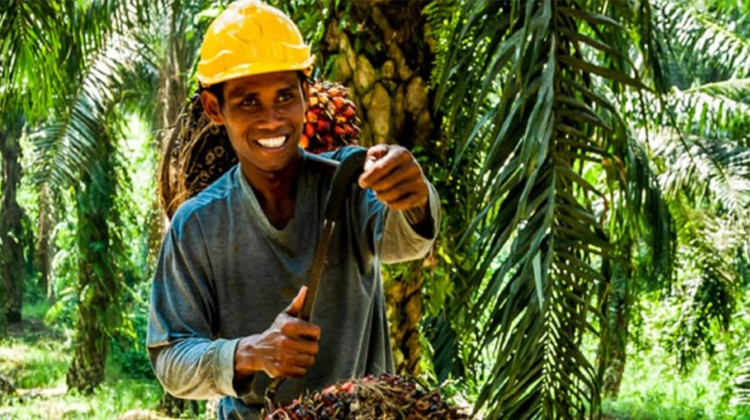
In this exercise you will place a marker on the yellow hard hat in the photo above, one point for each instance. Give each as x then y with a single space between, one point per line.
248 38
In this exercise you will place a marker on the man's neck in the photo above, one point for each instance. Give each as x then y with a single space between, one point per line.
275 191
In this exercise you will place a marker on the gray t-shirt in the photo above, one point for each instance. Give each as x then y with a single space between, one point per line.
225 272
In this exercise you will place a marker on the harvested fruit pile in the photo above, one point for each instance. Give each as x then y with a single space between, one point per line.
371 398
331 119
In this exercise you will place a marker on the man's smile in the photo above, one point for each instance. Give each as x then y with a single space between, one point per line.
272 142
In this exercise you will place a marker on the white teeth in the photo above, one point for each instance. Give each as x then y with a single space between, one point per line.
272 143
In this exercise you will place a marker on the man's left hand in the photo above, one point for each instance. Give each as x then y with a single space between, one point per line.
395 176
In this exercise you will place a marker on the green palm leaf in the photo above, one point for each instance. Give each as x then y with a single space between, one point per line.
709 168
710 293
67 143
47 44
702 42
28 39
535 233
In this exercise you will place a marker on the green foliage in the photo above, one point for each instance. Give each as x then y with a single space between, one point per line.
35 309
699 149
310 17
128 350
654 389
42 49
110 401
702 45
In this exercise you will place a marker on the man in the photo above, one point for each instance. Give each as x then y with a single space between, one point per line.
230 278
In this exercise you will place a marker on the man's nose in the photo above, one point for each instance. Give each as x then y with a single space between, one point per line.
270 119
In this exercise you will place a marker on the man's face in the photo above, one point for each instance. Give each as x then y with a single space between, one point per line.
263 115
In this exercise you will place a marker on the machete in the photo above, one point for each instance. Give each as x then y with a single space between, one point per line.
346 171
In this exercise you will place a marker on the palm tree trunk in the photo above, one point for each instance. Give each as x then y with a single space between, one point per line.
384 58
614 337
98 286
404 311
44 250
12 261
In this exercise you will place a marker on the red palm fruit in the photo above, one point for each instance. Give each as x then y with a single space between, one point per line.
339 130
348 112
311 117
309 130
339 102
304 141
323 127
334 91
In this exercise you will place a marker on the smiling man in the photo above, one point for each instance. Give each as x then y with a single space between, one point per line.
231 274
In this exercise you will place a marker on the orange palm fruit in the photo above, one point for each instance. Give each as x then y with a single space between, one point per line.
348 112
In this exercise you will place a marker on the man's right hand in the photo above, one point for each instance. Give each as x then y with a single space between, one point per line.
286 349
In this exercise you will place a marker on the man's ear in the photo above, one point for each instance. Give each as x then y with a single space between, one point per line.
211 107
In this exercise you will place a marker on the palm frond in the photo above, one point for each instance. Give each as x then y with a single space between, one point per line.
66 143
709 295
734 89
710 171
701 42
709 114
28 37
648 214
527 111
46 43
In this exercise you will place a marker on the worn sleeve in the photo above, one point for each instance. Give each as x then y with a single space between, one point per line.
389 234
185 357
399 241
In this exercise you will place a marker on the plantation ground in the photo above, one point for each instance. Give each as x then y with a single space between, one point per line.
35 359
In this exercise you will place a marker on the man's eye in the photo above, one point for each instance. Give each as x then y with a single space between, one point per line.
249 102
285 97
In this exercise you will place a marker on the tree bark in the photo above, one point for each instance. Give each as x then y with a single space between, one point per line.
614 338
44 250
12 261
383 55
98 286
404 311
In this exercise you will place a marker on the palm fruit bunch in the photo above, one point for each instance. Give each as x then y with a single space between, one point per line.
383 397
331 120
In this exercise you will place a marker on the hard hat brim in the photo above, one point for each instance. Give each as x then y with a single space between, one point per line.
252 69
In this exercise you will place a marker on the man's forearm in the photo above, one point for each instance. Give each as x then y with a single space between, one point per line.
196 368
